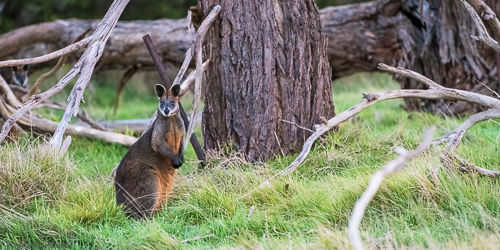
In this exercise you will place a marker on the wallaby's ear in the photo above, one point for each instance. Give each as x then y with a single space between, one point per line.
160 90
26 67
176 89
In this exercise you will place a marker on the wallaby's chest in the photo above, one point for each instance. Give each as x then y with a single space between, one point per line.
174 137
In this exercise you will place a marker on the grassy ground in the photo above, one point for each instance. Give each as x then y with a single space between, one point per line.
70 202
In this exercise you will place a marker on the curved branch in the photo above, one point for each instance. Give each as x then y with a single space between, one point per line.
391 167
474 7
435 91
53 55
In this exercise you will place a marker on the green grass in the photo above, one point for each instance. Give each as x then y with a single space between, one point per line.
308 209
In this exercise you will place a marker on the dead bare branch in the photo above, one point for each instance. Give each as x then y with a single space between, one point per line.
125 78
45 125
84 68
198 75
53 55
483 34
88 62
391 167
46 75
297 125
435 91
191 78
454 138
448 93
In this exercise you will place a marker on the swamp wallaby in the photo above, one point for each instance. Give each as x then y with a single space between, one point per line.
145 175
19 75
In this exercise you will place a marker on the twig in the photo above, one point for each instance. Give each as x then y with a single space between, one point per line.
451 159
250 211
12 211
297 125
486 86
391 167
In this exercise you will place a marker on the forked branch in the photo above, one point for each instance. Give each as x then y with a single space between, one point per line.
84 68
477 6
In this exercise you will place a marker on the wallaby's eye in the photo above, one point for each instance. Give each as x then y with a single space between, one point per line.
14 68
25 67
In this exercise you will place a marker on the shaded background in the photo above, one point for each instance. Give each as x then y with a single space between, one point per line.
17 13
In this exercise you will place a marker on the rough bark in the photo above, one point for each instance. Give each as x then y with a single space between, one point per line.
268 62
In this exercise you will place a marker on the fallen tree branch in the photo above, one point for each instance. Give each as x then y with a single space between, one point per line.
483 34
435 91
454 137
391 167
35 122
83 68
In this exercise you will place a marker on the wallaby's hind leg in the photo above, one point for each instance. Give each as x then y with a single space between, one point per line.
138 192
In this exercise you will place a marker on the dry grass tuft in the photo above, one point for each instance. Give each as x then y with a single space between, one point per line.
31 172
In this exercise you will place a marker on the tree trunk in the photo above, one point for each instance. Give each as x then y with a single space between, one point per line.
269 62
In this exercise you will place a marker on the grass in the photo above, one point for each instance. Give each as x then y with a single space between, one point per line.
308 209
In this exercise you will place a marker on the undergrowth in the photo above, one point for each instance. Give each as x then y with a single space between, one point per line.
71 200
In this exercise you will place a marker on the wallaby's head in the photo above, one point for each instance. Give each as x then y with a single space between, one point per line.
169 100
20 75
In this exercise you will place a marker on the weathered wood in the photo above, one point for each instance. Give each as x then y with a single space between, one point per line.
86 66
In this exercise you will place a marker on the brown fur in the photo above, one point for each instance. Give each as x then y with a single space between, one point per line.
146 174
